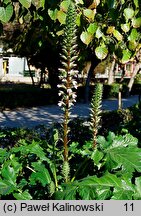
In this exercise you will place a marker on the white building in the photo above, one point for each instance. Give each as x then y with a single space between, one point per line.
14 69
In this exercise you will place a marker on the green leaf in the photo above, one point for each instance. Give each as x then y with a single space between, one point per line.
99 33
6 187
126 56
97 156
87 192
136 3
41 174
3 154
132 45
129 158
64 5
117 35
79 2
134 35
9 174
137 194
53 14
90 14
35 148
38 4
78 19
101 52
121 194
108 180
92 28
128 13
136 22
61 16
103 193
23 195
6 13
86 37
125 27
69 193
26 3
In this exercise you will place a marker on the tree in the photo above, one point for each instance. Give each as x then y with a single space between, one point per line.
105 27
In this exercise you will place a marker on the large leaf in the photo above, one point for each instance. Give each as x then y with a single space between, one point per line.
69 193
26 3
108 180
6 13
87 192
101 52
103 193
129 158
120 194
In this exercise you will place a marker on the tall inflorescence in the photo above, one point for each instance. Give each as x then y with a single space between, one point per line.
96 104
68 73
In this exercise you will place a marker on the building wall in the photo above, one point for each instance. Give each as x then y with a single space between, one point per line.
17 66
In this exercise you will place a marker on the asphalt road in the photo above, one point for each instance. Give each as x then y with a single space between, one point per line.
47 115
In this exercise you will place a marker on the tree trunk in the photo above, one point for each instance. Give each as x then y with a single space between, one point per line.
111 73
136 70
32 79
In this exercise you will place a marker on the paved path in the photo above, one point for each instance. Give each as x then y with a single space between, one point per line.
46 115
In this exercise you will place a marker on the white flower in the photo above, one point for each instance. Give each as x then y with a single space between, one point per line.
61 103
60 93
69 91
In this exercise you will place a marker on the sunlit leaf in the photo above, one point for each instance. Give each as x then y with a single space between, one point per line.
90 14
53 14
110 29
136 2
117 35
26 3
23 195
134 35
136 22
86 37
92 28
101 52
132 45
125 27
6 13
129 13
99 33
79 1
64 5
137 188
61 16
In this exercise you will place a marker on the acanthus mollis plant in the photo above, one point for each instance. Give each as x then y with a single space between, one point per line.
96 104
67 76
